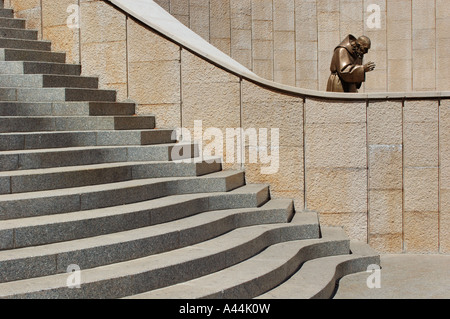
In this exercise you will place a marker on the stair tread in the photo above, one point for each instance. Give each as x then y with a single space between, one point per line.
110 186
163 262
129 208
91 167
81 148
248 275
317 274
121 237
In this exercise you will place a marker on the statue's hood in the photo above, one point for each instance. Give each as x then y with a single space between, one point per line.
347 44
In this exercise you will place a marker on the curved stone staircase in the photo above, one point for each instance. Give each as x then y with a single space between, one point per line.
84 182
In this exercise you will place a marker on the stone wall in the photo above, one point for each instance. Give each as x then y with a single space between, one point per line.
377 166
291 41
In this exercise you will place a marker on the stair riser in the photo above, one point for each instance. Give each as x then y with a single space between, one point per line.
343 269
18 34
10 162
21 67
23 44
80 139
30 55
12 23
55 95
66 109
48 124
159 277
47 81
85 199
58 232
77 178
6 13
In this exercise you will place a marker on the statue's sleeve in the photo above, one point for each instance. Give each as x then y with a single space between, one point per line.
349 72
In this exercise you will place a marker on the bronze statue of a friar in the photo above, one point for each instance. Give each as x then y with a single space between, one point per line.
347 69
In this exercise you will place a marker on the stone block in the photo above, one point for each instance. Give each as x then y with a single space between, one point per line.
65 40
444 221
262 10
285 173
201 101
262 30
421 189
155 82
334 112
167 115
421 143
421 232
421 111
385 123
421 17
387 243
180 7
385 211
197 70
354 224
144 45
56 13
98 15
263 50
385 167
111 68
336 145
336 190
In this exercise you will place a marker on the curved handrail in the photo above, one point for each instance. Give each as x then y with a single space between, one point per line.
154 16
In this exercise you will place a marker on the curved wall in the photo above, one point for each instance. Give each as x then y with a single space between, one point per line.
291 41
375 164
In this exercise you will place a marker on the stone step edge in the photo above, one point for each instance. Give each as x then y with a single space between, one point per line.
48 158
13 206
156 271
257 274
96 222
42 179
51 259
319 278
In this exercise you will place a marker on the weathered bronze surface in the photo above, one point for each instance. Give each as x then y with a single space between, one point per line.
347 69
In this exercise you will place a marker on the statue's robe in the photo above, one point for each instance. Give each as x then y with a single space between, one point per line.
347 71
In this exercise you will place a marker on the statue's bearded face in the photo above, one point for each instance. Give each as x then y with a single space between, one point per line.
360 49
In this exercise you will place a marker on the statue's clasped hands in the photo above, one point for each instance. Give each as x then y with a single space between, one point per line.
369 67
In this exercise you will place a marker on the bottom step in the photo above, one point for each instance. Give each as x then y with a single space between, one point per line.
317 278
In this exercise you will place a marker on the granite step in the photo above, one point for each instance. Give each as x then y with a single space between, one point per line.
59 201
35 180
195 216
31 55
41 140
47 158
12 33
74 123
48 81
256 275
318 278
36 67
66 108
6 13
56 95
25 44
138 275
12 23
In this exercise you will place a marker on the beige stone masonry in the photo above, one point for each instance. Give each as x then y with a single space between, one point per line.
374 163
